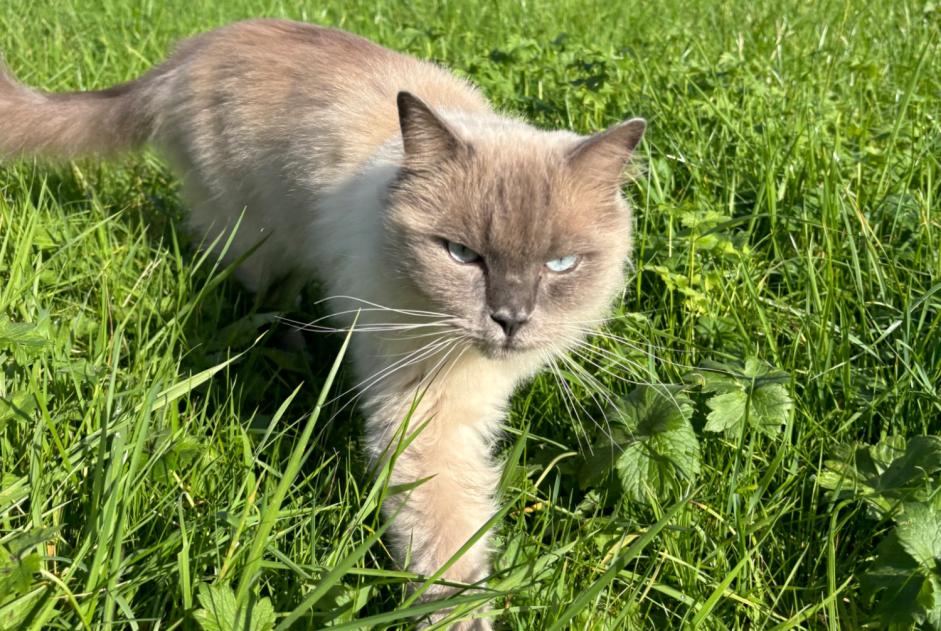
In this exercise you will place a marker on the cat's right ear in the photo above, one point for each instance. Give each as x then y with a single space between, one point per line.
427 138
604 156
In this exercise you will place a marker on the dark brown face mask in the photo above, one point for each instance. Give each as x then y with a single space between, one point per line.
511 296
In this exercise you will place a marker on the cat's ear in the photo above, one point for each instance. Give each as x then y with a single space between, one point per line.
427 138
604 156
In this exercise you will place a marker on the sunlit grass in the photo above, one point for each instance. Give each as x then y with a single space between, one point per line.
151 427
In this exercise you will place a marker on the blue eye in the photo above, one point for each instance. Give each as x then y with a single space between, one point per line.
563 264
461 253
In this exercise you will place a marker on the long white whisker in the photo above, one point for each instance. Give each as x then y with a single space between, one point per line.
582 348
448 346
415 356
361 389
433 373
381 327
658 386
571 401
590 384
419 336
636 345
621 360
588 380
384 307
377 310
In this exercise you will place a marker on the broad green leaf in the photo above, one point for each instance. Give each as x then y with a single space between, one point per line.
220 612
20 334
18 405
662 450
770 409
855 479
887 451
713 377
23 541
903 584
930 600
919 532
893 584
596 466
728 412
752 394
12 490
16 572
14 611
908 473
261 615
885 474
17 564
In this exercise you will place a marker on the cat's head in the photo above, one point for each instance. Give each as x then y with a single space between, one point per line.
520 235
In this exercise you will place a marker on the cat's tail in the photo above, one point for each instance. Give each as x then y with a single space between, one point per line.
70 124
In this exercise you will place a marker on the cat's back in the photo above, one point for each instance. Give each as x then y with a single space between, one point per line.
268 82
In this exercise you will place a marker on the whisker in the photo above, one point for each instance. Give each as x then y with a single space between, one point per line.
660 387
597 392
433 373
635 344
383 307
337 314
592 381
550 359
449 345
581 349
610 337
415 356
604 320
591 384
416 337
380 327
571 401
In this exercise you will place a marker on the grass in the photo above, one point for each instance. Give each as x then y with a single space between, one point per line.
159 459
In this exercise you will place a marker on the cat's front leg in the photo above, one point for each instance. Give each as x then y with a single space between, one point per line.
436 519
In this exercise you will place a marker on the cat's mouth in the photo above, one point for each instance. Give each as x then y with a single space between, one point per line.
505 348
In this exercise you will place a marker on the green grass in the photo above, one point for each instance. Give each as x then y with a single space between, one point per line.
155 440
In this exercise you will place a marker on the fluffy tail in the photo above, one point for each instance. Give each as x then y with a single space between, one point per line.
74 123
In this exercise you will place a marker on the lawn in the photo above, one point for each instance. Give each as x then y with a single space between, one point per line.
753 442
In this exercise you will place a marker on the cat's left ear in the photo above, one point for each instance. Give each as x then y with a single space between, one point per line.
426 137
604 156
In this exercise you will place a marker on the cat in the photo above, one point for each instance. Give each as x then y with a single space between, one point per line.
471 246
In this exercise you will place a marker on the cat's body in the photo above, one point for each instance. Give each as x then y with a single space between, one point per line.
392 183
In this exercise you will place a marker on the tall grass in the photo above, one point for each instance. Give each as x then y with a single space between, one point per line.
163 461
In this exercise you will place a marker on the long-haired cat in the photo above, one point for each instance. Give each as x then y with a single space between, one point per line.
471 245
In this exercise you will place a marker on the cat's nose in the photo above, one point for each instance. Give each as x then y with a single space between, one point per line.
509 321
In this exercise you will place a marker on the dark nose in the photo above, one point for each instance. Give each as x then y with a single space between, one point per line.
509 321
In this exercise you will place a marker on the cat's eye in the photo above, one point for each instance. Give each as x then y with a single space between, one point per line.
562 264
461 253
